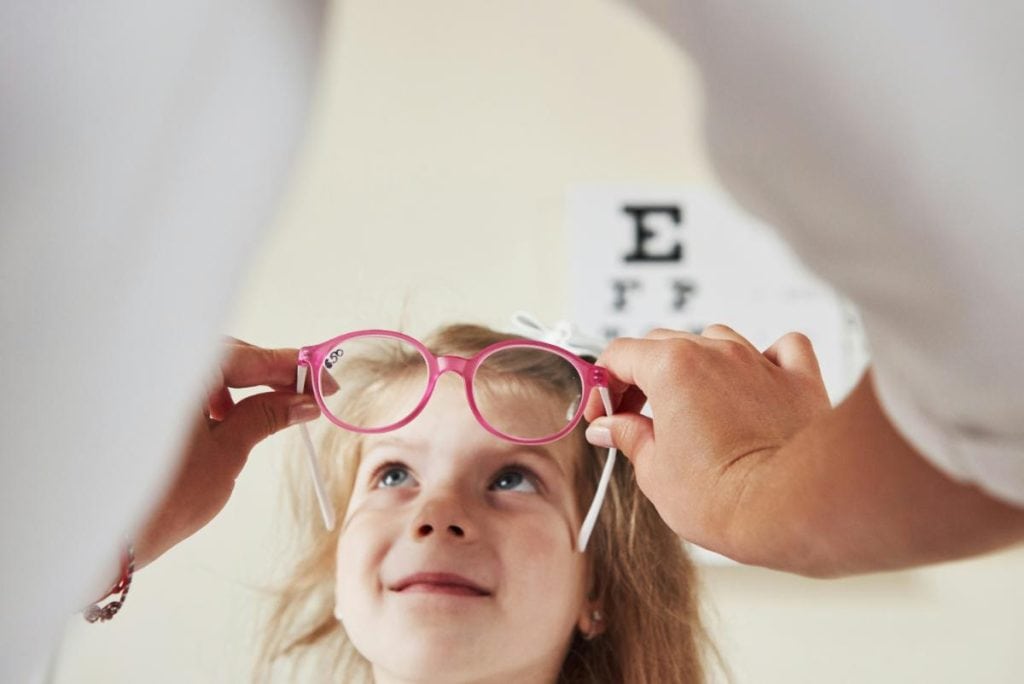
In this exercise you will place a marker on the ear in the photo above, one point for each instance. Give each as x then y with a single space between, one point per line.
592 622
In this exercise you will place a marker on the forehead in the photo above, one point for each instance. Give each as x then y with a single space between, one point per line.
447 424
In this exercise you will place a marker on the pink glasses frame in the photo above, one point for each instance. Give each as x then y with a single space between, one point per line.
591 377
311 358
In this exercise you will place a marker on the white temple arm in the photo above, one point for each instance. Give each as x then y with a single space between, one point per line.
602 486
326 510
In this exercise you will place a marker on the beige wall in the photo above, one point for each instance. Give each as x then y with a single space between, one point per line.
430 190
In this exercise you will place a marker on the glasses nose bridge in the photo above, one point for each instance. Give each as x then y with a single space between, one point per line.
454 364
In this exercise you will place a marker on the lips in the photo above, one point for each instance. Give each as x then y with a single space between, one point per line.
439 583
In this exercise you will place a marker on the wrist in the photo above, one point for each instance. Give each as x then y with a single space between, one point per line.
773 524
96 612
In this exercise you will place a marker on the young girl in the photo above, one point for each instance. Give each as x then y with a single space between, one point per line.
455 554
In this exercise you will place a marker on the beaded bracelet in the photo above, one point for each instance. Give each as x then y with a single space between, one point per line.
98 613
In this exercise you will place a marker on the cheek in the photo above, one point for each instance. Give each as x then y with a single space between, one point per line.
550 574
344 575
356 576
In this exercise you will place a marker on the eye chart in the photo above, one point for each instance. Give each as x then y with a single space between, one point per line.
684 258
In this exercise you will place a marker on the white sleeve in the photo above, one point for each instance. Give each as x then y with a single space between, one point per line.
884 141
143 147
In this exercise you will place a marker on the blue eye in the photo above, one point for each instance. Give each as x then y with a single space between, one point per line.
514 481
394 476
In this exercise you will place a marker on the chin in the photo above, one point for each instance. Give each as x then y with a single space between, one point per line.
447 661
456 651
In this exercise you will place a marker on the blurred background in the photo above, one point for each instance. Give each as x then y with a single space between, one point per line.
432 187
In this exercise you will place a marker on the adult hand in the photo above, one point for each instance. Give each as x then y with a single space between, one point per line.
220 441
722 410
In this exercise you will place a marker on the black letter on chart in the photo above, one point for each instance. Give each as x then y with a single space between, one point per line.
621 287
681 291
643 232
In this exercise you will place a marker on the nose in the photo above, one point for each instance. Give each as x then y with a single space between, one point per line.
443 517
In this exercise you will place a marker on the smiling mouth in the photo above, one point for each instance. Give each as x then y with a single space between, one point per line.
439 583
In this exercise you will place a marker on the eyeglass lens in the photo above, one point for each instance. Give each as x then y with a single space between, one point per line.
526 392
380 380
522 392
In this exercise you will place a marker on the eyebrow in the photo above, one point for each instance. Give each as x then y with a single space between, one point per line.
372 443
541 451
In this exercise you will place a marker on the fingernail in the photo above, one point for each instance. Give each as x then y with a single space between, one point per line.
599 435
302 411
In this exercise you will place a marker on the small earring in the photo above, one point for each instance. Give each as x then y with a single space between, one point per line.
595 617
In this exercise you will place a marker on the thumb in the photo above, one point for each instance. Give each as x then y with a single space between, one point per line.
257 417
631 433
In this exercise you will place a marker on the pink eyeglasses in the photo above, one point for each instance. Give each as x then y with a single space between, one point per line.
373 381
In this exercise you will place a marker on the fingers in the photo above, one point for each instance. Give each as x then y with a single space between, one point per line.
631 433
257 417
638 367
228 339
724 332
328 385
594 406
639 363
630 360
794 352
631 363
247 366
622 357
669 334
219 403
628 399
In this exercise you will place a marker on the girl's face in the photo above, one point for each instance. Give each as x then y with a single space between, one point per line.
456 559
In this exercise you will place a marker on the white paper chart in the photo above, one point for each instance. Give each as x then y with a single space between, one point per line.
684 258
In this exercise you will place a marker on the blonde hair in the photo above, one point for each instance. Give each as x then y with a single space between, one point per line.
641 576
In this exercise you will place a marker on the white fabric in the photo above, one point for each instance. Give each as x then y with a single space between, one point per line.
564 334
885 141
142 148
